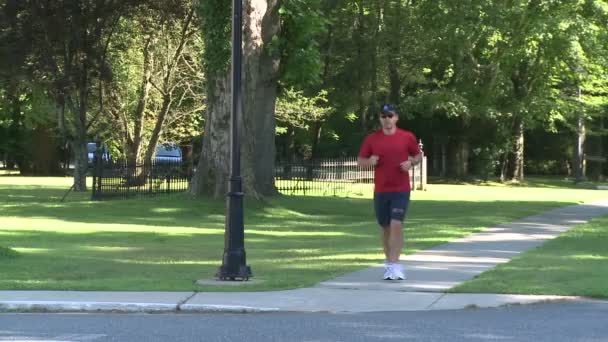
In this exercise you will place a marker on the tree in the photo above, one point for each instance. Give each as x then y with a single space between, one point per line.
67 53
260 74
157 78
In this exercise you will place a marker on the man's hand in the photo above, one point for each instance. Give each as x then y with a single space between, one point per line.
406 165
365 162
373 160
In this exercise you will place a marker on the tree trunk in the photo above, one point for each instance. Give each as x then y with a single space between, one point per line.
134 141
518 150
372 109
504 166
158 126
462 159
167 87
213 171
359 43
260 76
15 152
580 144
444 160
79 146
316 139
80 139
394 54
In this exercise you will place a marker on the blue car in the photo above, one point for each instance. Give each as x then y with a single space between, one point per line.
168 153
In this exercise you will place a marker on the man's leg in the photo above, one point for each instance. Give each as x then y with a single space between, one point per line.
385 237
399 205
383 217
395 241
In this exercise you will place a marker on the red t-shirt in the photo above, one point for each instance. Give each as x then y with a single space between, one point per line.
391 150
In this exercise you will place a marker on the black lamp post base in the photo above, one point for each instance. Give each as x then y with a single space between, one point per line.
242 273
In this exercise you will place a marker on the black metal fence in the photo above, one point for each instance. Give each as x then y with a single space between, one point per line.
335 177
119 179
321 177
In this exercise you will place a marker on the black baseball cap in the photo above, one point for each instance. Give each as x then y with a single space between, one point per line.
388 108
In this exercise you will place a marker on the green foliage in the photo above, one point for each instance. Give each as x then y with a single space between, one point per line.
459 71
216 27
297 110
302 24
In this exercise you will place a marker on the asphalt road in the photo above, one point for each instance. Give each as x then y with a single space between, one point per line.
583 321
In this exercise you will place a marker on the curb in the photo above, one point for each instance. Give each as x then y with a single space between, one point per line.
201 308
489 301
60 306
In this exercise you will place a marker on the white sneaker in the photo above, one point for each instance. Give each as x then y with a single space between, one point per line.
388 274
397 272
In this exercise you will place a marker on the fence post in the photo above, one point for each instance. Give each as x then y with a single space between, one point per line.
94 187
422 166
413 178
149 169
97 172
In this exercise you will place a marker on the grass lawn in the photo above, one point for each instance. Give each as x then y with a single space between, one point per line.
166 243
575 263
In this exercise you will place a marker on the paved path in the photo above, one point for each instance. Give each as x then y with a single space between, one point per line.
430 273
445 266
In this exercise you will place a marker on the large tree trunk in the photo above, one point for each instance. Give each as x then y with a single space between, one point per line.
213 171
260 76
521 80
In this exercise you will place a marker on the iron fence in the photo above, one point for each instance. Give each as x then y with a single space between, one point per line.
336 177
319 177
119 179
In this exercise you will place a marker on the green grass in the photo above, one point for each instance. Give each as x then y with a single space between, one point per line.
575 263
534 181
7 253
166 243
4 172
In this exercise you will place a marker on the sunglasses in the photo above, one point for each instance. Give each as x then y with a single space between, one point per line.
384 116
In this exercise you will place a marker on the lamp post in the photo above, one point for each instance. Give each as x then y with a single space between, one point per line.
234 265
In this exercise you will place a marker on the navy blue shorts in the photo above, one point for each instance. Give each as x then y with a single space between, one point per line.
391 206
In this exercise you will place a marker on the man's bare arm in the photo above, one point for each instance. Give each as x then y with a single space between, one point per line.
371 161
415 160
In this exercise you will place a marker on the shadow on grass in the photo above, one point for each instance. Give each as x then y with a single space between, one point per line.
165 243
281 213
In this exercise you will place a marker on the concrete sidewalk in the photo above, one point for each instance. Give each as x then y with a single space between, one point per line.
430 273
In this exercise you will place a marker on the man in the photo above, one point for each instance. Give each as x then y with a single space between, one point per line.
392 152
